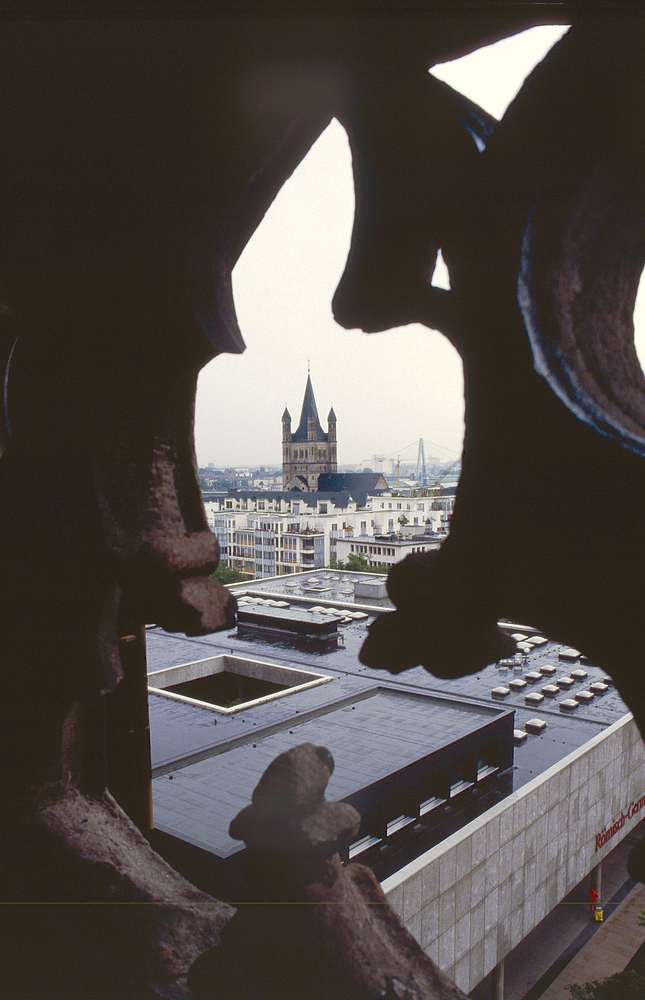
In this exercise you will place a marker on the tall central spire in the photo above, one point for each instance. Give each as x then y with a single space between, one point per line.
309 413
309 452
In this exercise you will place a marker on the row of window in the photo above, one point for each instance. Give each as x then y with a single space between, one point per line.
434 505
373 550
305 454
287 540
413 808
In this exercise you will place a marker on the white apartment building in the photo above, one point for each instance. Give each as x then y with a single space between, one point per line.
268 534
385 549
264 545
411 515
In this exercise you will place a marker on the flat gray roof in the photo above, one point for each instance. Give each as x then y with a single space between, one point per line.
370 736
201 758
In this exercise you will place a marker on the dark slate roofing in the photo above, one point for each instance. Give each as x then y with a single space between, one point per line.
340 497
364 482
359 484
331 417
286 415
309 412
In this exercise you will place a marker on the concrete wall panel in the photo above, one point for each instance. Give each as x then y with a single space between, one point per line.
471 899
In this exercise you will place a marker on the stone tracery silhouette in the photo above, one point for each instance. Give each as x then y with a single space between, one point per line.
137 157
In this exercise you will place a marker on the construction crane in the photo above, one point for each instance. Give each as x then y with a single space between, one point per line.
421 470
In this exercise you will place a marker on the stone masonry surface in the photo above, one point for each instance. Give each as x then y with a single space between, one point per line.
473 897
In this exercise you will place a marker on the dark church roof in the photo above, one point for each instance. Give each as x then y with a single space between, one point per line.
309 412
359 484
351 481
298 483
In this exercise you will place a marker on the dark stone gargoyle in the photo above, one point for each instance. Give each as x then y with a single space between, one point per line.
315 928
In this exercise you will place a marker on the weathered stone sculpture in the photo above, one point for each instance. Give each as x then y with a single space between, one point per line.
112 919
315 928
545 254
137 156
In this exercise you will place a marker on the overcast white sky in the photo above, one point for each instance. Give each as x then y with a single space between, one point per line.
388 389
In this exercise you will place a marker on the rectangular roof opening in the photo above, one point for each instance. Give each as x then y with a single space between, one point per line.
229 684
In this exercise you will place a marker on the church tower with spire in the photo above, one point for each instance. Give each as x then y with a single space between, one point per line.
308 451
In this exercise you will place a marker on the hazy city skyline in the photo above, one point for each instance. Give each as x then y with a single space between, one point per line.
388 389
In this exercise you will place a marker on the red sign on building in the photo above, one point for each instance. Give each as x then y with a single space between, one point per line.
608 832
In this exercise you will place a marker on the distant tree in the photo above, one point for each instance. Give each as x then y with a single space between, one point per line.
226 574
627 985
381 568
357 562
403 520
